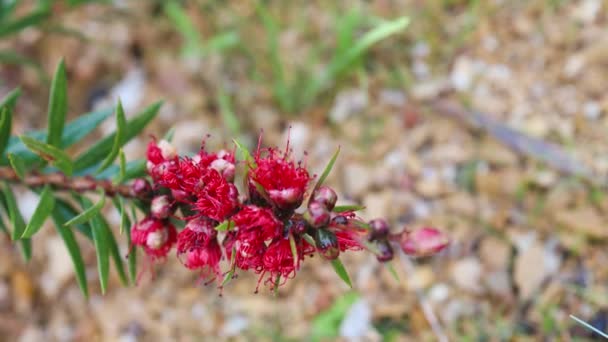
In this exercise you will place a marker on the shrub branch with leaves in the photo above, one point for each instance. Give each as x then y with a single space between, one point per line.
190 202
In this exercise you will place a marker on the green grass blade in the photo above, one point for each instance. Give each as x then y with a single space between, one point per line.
89 213
58 106
55 156
14 26
114 251
132 256
119 138
74 250
65 211
43 210
102 245
346 208
341 271
11 98
99 150
16 220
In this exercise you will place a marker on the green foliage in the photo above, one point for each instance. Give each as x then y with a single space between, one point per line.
33 151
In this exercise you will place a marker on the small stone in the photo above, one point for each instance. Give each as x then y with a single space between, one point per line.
358 179
347 103
23 292
494 253
532 266
439 293
466 274
234 326
498 283
357 321
585 220
421 278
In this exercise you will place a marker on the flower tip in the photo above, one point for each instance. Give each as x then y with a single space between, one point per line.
423 242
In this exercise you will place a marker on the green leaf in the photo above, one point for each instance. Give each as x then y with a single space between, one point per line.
132 256
89 213
391 268
10 100
225 226
16 25
101 149
114 251
294 251
326 171
18 164
43 210
51 153
58 106
310 240
341 271
246 155
230 273
119 137
72 246
102 245
346 208
16 221
120 205
65 211
73 133
14 214
133 169
231 122
6 122
122 168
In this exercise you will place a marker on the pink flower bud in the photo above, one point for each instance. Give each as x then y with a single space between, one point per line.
317 215
167 150
379 229
385 251
161 207
423 242
141 187
180 195
325 195
225 168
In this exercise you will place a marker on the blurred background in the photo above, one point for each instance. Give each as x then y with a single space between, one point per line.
484 118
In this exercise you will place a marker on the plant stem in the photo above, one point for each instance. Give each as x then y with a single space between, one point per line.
60 182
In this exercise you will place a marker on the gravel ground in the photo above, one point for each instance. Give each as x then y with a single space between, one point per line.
528 241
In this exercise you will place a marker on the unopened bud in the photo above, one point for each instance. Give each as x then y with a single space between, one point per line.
286 199
157 239
317 215
424 242
385 251
167 150
379 229
327 244
141 188
325 195
225 168
180 195
161 207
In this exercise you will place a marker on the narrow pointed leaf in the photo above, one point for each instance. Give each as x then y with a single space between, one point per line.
88 213
18 164
17 222
74 250
122 168
65 211
230 273
133 169
326 171
16 25
114 251
346 208
101 149
43 210
294 251
341 271
225 226
132 256
246 155
100 240
11 99
50 153
6 122
119 137
391 269
58 106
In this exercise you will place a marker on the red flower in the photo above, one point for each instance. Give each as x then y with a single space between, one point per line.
155 236
216 197
198 241
249 253
257 224
278 259
424 242
283 180
348 233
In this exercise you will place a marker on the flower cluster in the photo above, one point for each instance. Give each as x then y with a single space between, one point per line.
264 230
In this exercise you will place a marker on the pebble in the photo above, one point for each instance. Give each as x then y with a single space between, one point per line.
357 321
357 179
234 326
348 103
466 274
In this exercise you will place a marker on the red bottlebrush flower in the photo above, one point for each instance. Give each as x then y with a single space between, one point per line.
257 224
348 232
155 236
222 161
423 242
216 197
249 253
198 242
283 180
161 207
278 259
